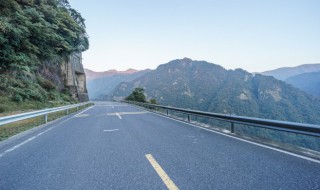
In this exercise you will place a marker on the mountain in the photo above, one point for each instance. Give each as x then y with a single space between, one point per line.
91 75
100 84
287 72
305 77
308 82
205 86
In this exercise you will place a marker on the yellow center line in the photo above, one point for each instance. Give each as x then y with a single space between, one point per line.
163 175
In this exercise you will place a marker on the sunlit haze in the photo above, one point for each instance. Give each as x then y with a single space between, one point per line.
249 34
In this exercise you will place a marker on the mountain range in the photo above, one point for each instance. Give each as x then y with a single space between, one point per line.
205 86
308 82
100 84
305 77
287 72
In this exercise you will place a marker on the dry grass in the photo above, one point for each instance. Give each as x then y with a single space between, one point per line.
11 129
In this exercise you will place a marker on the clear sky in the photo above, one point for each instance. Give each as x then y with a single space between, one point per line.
255 35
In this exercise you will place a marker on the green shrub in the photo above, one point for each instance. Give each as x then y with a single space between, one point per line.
2 109
46 84
17 98
153 101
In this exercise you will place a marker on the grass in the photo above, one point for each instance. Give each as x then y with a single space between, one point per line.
11 129
8 107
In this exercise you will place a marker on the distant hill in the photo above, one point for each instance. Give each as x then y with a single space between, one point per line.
287 72
100 84
305 77
204 86
91 75
308 82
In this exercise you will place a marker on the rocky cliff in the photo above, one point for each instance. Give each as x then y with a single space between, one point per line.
74 77
38 64
66 76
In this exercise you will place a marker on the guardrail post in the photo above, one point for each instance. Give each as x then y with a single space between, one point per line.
77 108
189 119
167 112
46 118
67 111
232 127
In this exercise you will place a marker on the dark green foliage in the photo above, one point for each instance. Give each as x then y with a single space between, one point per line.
36 35
46 84
19 90
153 101
137 95
33 31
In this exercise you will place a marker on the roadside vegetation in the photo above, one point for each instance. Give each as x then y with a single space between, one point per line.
36 37
138 95
11 129
8 107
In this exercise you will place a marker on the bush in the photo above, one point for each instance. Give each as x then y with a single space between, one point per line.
17 98
137 95
2 109
48 85
153 101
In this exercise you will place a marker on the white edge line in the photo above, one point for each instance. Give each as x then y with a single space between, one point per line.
24 142
117 114
240 139
82 111
110 130
41 133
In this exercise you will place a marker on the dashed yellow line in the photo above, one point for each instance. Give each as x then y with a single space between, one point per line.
163 175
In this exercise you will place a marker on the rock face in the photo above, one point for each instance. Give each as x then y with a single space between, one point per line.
74 77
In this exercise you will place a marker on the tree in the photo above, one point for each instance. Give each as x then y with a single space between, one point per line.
35 31
137 95
153 101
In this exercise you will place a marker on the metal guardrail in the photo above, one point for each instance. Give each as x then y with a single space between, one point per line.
293 127
45 112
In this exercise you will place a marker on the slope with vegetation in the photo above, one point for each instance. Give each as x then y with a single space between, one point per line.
138 95
204 86
305 77
36 37
308 82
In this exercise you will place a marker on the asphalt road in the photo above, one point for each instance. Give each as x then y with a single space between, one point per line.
105 147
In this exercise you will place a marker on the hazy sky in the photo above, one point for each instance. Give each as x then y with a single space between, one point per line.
255 35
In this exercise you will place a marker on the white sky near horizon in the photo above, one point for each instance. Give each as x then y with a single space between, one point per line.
255 35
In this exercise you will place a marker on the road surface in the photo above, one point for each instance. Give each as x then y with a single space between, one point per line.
117 146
